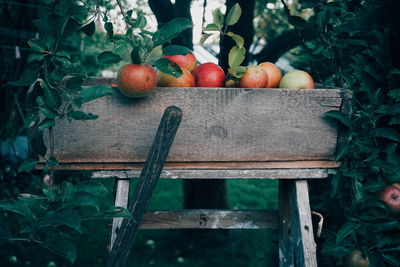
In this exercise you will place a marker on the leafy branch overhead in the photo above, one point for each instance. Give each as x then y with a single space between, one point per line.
220 26
145 45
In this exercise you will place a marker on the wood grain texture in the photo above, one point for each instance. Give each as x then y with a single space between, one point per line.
121 200
203 165
311 173
144 189
304 244
219 124
286 237
210 219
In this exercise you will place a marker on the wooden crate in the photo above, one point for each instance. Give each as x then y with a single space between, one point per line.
225 133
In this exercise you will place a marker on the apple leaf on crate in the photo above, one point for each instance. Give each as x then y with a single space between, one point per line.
168 67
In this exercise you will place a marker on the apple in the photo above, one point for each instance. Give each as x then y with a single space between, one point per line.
391 196
136 80
254 77
209 75
297 79
273 72
185 80
187 61
356 259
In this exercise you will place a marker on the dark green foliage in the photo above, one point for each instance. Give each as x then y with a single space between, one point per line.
354 49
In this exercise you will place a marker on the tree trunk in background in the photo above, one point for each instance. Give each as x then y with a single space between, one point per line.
244 27
206 194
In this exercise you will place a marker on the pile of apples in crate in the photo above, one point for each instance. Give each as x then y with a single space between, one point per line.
141 80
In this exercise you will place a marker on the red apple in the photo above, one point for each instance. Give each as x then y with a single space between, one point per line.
391 196
136 80
297 79
355 259
254 77
209 75
187 61
273 72
185 80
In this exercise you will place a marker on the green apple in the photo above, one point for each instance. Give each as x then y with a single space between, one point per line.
297 79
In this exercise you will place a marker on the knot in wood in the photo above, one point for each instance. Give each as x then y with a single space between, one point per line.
203 220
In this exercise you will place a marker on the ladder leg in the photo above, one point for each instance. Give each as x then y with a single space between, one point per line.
121 200
304 244
286 238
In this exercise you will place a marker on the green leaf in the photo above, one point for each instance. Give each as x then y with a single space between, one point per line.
27 165
73 82
237 71
234 14
212 27
51 96
141 21
48 112
17 207
50 194
108 57
218 17
67 191
114 212
171 30
63 217
394 121
168 67
204 38
93 92
36 57
236 56
342 152
387 133
237 38
46 123
346 230
172 50
108 26
37 144
31 119
338 116
90 187
89 28
61 247
135 55
37 45
84 199
79 115
28 77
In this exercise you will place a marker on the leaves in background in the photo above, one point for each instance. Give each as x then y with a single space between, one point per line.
108 57
171 30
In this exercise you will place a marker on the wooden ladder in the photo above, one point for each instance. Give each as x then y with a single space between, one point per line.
226 133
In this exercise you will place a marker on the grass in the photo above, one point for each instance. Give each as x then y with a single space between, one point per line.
191 247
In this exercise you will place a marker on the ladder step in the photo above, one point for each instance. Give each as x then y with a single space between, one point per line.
210 219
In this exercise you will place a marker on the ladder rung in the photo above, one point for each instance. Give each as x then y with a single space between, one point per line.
210 219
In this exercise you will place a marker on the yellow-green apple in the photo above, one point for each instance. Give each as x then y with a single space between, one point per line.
254 77
209 75
356 259
136 80
273 72
187 61
297 79
391 196
185 80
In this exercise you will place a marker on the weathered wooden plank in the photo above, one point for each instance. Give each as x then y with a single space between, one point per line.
220 124
223 174
304 244
145 187
203 165
286 237
121 200
210 219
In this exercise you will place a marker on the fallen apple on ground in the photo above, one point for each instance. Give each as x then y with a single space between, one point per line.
356 259
136 80
297 79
